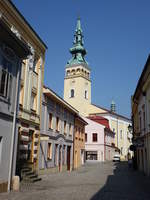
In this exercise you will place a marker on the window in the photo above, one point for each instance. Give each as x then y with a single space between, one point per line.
21 95
85 137
94 137
144 118
69 129
50 120
64 153
33 99
86 94
64 127
35 65
49 151
72 93
5 77
91 155
0 148
120 134
57 123
140 122
56 155
68 72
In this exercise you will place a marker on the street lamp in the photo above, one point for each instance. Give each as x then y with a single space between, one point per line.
130 128
130 134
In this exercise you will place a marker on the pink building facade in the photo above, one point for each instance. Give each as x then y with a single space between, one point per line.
99 142
94 141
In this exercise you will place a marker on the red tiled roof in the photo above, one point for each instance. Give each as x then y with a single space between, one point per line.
100 120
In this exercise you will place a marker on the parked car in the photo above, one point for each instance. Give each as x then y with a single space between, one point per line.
116 158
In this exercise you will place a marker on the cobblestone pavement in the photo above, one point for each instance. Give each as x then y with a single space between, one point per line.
104 181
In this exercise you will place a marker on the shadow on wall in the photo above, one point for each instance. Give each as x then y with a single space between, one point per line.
124 184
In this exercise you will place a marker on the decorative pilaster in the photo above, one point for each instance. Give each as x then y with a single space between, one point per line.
39 86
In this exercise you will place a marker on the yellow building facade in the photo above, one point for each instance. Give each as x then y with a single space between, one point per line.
79 142
32 75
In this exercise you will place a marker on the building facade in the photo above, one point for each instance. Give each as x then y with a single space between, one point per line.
141 120
12 51
79 142
57 133
119 125
109 137
99 141
30 89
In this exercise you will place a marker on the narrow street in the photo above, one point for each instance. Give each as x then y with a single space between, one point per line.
104 181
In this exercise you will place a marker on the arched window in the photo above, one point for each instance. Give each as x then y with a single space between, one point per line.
88 75
73 72
78 70
71 93
68 72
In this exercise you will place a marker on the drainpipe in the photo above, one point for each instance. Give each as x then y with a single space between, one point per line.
14 126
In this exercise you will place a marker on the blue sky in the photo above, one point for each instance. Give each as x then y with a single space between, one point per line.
116 36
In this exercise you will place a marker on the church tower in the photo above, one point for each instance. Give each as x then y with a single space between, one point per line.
77 83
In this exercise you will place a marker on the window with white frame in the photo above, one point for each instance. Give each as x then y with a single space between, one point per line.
5 77
70 129
33 101
49 151
50 120
85 137
65 123
57 124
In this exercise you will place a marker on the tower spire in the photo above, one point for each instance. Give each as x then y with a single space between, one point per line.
78 51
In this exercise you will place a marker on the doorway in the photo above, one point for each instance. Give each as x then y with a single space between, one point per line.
60 158
68 157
